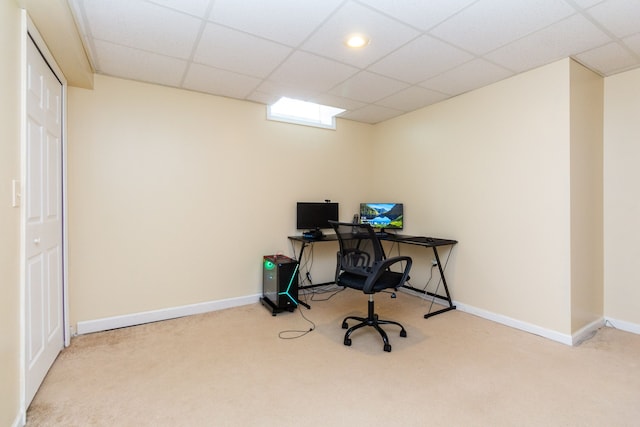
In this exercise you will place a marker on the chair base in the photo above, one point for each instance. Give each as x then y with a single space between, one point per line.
371 320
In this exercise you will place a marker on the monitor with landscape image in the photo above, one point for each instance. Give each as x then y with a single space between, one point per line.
382 216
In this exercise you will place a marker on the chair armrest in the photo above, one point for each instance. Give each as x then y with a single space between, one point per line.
383 266
388 262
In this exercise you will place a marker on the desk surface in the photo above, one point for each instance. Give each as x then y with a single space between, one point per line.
389 237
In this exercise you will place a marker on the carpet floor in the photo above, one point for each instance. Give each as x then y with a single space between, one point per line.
244 367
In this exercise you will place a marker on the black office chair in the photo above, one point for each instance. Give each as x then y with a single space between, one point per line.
362 265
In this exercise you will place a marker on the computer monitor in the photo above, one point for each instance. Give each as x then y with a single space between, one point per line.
314 216
382 216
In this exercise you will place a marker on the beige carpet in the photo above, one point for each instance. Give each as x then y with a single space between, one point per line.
232 368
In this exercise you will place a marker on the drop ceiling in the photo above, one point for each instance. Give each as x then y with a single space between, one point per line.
420 52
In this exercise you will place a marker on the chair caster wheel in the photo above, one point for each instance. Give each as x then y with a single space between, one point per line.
345 325
403 333
387 347
347 341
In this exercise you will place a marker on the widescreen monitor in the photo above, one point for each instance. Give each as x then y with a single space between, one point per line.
382 216
314 216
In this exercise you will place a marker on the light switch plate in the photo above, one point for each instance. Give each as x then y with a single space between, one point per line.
15 193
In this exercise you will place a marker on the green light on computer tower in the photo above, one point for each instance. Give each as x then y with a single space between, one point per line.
269 265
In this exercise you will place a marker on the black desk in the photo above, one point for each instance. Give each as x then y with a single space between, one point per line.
426 242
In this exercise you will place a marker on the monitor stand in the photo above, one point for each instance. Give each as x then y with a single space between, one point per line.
381 232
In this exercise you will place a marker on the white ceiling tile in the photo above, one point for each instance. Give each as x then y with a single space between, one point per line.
144 26
422 58
419 13
219 82
469 76
122 61
385 35
236 51
286 21
633 42
489 24
607 59
412 98
621 17
368 87
262 98
316 73
285 89
586 3
335 101
544 46
197 8
371 114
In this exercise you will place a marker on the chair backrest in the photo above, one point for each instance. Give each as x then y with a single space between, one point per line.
360 248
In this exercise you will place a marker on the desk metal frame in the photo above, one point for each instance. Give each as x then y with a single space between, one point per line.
426 242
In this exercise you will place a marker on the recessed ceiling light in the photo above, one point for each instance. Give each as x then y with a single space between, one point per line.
356 40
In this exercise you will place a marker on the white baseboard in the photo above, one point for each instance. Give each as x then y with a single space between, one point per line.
104 324
133 319
573 339
622 325
504 320
20 420
517 324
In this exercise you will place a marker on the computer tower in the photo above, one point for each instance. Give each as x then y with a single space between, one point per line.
279 283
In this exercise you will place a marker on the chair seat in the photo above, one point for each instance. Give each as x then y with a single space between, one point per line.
388 279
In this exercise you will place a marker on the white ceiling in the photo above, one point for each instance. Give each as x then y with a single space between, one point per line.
421 51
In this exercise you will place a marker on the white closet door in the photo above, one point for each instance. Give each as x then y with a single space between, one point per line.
42 209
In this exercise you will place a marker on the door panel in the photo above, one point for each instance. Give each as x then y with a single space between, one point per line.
35 300
43 221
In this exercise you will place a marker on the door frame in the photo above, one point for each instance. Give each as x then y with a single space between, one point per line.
29 30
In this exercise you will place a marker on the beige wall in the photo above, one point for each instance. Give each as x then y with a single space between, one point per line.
10 71
622 199
174 196
490 168
587 289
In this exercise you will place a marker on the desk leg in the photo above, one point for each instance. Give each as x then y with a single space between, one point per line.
297 299
446 288
447 295
304 245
